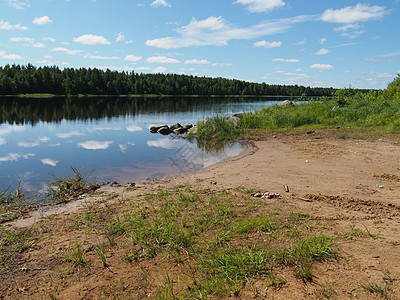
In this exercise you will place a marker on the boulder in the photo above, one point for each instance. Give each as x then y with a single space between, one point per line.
175 126
154 129
179 130
286 103
164 130
187 126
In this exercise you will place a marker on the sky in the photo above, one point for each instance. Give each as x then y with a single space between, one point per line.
305 42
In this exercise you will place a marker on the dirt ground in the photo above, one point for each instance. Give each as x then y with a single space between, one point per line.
347 181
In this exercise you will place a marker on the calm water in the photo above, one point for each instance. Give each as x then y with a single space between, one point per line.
42 138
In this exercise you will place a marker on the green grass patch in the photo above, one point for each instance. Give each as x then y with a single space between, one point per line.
64 189
375 109
15 242
14 204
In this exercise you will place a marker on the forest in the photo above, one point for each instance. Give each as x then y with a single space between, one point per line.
21 79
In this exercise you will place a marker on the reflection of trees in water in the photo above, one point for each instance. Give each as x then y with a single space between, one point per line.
213 147
31 111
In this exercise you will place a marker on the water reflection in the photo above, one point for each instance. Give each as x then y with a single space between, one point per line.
41 137
55 110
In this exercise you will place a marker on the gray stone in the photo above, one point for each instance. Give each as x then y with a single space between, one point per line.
286 103
164 130
175 126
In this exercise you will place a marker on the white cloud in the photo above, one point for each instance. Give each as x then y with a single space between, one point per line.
49 39
162 143
91 39
353 35
322 51
322 41
38 45
197 61
257 6
69 134
384 75
2 141
30 42
390 54
349 30
347 27
133 58
160 70
116 128
48 161
322 67
44 139
28 145
15 157
217 32
42 20
66 50
122 148
378 61
18 4
157 3
4 25
134 128
10 56
120 37
21 39
286 60
101 57
162 60
95 145
354 14
267 45
221 65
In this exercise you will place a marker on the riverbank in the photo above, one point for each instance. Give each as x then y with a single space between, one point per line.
337 187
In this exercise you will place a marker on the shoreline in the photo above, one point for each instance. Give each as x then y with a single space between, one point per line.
73 206
343 191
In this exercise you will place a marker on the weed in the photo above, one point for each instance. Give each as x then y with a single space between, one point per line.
64 189
101 251
262 224
373 287
301 215
326 292
166 292
13 243
14 204
75 255
218 128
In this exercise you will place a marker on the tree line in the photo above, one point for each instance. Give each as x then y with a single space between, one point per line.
21 79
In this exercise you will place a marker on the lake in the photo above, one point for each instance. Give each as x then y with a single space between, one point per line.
43 138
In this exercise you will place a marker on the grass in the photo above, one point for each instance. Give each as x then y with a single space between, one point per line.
208 246
375 288
376 109
64 189
75 255
14 243
14 204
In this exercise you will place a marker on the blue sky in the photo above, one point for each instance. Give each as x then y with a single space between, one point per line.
312 43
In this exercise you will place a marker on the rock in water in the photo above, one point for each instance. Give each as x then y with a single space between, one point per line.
175 126
164 130
187 126
286 103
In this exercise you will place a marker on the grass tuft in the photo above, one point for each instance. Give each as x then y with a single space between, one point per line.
64 189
